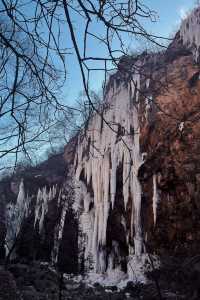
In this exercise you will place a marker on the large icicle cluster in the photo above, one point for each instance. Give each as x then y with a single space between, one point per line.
15 215
58 231
64 203
190 32
43 198
100 152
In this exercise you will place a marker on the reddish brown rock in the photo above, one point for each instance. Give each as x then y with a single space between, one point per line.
172 142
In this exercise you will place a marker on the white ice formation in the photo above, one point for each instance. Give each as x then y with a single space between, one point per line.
15 215
155 198
58 231
190 32
64 203
43 198
100 153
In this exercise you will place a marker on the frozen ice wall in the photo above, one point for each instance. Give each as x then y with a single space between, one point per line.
111 140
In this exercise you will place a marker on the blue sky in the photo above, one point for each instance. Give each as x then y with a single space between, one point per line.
170 13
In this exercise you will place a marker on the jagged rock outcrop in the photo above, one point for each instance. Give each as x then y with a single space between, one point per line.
131 181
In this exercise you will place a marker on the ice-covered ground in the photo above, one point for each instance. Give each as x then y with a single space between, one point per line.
137 267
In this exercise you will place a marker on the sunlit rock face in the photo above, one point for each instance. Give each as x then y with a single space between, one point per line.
172 144
137 161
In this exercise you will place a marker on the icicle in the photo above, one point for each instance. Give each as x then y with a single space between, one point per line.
41 208
106 202
147 106
147 83
16 214
126 176
135 184
181 126
155 198
59 198
59 233
113 179
37 207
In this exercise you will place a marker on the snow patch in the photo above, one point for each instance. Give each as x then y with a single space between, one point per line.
115 277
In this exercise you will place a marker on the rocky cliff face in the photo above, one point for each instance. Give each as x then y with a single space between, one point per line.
137 163
132 185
